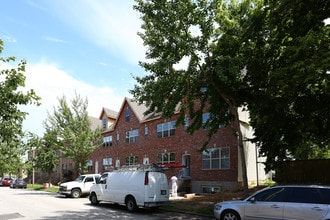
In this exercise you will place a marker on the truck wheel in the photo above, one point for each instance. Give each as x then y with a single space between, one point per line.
93 199
75 193
130 204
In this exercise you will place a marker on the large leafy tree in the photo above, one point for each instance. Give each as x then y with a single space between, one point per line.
44 152
12 82
288 48
208 35
74 135
270 56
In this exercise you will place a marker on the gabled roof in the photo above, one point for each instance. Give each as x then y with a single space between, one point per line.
95 122
138 110
109 113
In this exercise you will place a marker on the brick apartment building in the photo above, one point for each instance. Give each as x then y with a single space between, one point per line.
131 138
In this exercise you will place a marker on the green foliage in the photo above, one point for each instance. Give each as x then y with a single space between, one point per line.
70 128
288 47
13 96
270 57
207 33
45 152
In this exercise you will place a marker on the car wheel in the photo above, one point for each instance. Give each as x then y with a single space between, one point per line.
93 199
130 204
230 215
75 193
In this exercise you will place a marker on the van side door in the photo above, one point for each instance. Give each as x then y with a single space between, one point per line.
102 187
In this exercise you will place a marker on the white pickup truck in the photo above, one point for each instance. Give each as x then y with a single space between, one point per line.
78 187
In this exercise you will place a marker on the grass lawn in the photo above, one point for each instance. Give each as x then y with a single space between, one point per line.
41 187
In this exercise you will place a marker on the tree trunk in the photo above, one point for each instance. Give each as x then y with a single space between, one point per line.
242 153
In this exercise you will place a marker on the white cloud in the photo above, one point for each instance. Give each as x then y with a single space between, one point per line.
51 83
56 40
182 64
111 25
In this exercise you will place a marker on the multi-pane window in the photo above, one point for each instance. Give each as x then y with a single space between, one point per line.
216 158
165 157
132 136
106 162
107 141
127 114
166 129
131 160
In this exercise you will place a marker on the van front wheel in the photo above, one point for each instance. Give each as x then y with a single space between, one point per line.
93 199
130 204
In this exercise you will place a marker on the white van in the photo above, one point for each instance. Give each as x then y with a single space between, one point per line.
132 188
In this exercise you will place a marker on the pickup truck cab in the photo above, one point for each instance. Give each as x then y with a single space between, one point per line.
78 187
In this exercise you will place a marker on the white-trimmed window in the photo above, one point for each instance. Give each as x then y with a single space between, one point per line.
166 129
132 136
216 158
107 163
107 141
131 160
166 158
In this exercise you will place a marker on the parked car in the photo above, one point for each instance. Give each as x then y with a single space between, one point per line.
6 181
18 183
78 187
279 202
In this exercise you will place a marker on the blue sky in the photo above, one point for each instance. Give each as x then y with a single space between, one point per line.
86 46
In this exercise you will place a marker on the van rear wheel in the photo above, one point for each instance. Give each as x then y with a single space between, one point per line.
131 204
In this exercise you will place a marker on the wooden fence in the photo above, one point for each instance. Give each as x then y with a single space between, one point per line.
303 172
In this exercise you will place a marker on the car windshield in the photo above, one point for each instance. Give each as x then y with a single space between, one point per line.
80 179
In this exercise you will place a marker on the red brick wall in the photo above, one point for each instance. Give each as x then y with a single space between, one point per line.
181 143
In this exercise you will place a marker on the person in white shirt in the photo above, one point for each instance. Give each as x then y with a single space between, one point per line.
174 181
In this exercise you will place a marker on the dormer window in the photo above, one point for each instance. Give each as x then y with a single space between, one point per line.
128 113
104 123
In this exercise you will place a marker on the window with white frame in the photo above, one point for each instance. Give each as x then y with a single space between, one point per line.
132 136
107 141
131 160
216 158
166 129
107 163
166 158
